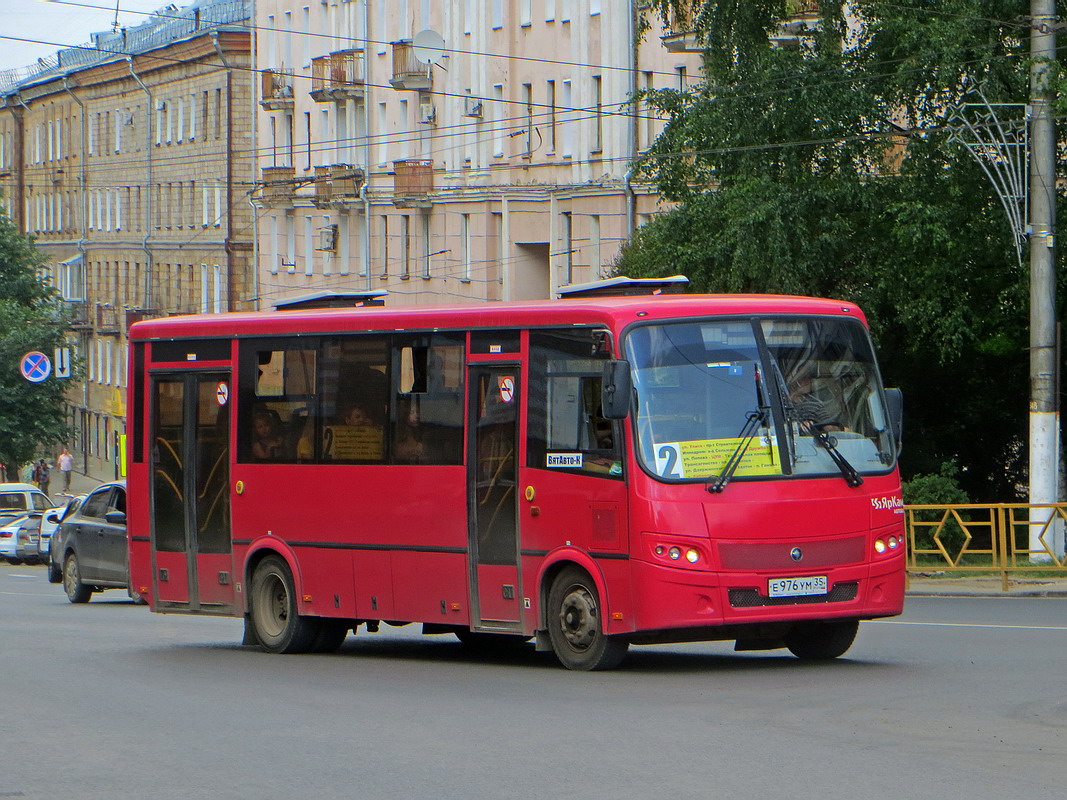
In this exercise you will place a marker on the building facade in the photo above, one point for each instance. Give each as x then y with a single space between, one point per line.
472 150
131 162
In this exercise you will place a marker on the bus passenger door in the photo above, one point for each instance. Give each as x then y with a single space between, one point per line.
492 480
191 544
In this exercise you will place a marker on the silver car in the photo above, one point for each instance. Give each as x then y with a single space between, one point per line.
53 556
91 544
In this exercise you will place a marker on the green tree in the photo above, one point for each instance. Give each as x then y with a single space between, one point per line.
829 169
31 414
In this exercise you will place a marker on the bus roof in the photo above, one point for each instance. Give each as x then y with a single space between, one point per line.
614 312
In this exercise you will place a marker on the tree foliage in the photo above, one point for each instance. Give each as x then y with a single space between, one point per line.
31 414
831 169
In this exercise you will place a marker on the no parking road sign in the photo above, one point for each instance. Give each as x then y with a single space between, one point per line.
35 366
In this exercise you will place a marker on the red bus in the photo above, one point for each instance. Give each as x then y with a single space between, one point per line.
590 473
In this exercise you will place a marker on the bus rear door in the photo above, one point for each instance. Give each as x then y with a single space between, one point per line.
190 447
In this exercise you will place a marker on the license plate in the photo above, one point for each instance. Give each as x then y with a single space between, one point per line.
796 587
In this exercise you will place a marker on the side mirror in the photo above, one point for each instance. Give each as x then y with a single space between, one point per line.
894 399
616 390
115 517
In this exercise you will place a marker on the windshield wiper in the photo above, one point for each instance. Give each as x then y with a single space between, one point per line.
825 440
788 413
748 433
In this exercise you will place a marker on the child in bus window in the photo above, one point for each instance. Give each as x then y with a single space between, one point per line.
267 442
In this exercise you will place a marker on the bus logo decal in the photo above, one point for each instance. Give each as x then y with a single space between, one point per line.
566 460
796 554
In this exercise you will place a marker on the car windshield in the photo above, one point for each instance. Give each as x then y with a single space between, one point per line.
778 396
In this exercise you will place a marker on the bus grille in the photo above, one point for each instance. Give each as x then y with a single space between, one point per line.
751 598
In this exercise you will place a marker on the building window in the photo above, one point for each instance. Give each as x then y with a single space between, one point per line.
465 246
598 114
405 247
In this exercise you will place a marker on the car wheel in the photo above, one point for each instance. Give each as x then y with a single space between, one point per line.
822 641
77 592
278 627
575 627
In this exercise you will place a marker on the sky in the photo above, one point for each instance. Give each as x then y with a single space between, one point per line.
61 23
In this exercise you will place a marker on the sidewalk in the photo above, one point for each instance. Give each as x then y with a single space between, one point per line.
79 484
940 585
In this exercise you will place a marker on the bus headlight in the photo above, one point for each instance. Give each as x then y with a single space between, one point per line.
674 553
879 546
692 556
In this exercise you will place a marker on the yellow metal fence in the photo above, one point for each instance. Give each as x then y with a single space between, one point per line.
1010 539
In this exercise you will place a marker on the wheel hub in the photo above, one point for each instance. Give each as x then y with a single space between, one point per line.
578 618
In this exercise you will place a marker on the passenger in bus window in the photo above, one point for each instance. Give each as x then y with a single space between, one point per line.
409 447
267 443
811 412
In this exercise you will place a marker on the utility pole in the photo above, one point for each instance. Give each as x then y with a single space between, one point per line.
1045 530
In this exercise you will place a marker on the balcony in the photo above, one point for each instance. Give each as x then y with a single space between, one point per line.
79 315
801 19
108 320
276 90
279 186
412 183
338 77
338 185
680 35
409 74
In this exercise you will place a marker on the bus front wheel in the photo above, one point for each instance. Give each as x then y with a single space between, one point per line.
278 626
822 641
575 624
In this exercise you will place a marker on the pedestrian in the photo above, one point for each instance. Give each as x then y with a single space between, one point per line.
65 462
41 475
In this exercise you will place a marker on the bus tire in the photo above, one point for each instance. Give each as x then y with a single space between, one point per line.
822 641
279 628
330 635
575 624
77 592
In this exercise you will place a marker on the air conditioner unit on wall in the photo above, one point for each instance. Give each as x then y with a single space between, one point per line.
472 107
327 239
427 113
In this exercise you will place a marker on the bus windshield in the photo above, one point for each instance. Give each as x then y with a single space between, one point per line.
779 396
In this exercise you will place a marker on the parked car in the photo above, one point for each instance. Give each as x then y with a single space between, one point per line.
91 544
49 528
19 536
23 497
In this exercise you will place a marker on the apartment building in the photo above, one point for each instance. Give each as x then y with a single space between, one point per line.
130 160
469 150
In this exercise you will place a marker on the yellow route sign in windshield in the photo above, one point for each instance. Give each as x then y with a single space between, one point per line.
705 458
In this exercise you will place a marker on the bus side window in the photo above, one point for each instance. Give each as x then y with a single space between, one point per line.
567 428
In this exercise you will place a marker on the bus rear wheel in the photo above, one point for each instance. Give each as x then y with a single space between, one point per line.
822 641
575 625
278 626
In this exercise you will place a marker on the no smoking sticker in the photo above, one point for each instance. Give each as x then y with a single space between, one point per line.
507 388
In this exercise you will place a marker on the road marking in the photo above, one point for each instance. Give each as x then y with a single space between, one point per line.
26 577
971 625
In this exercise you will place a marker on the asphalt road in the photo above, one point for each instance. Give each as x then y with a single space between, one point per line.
959 698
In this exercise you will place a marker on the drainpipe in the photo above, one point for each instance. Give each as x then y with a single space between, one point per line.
149 261
18 146
365 188
84 167
631 200
82 238
231 288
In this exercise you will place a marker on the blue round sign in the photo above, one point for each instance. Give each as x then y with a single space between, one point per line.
35 366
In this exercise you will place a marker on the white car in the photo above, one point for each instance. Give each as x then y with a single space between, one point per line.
19 536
